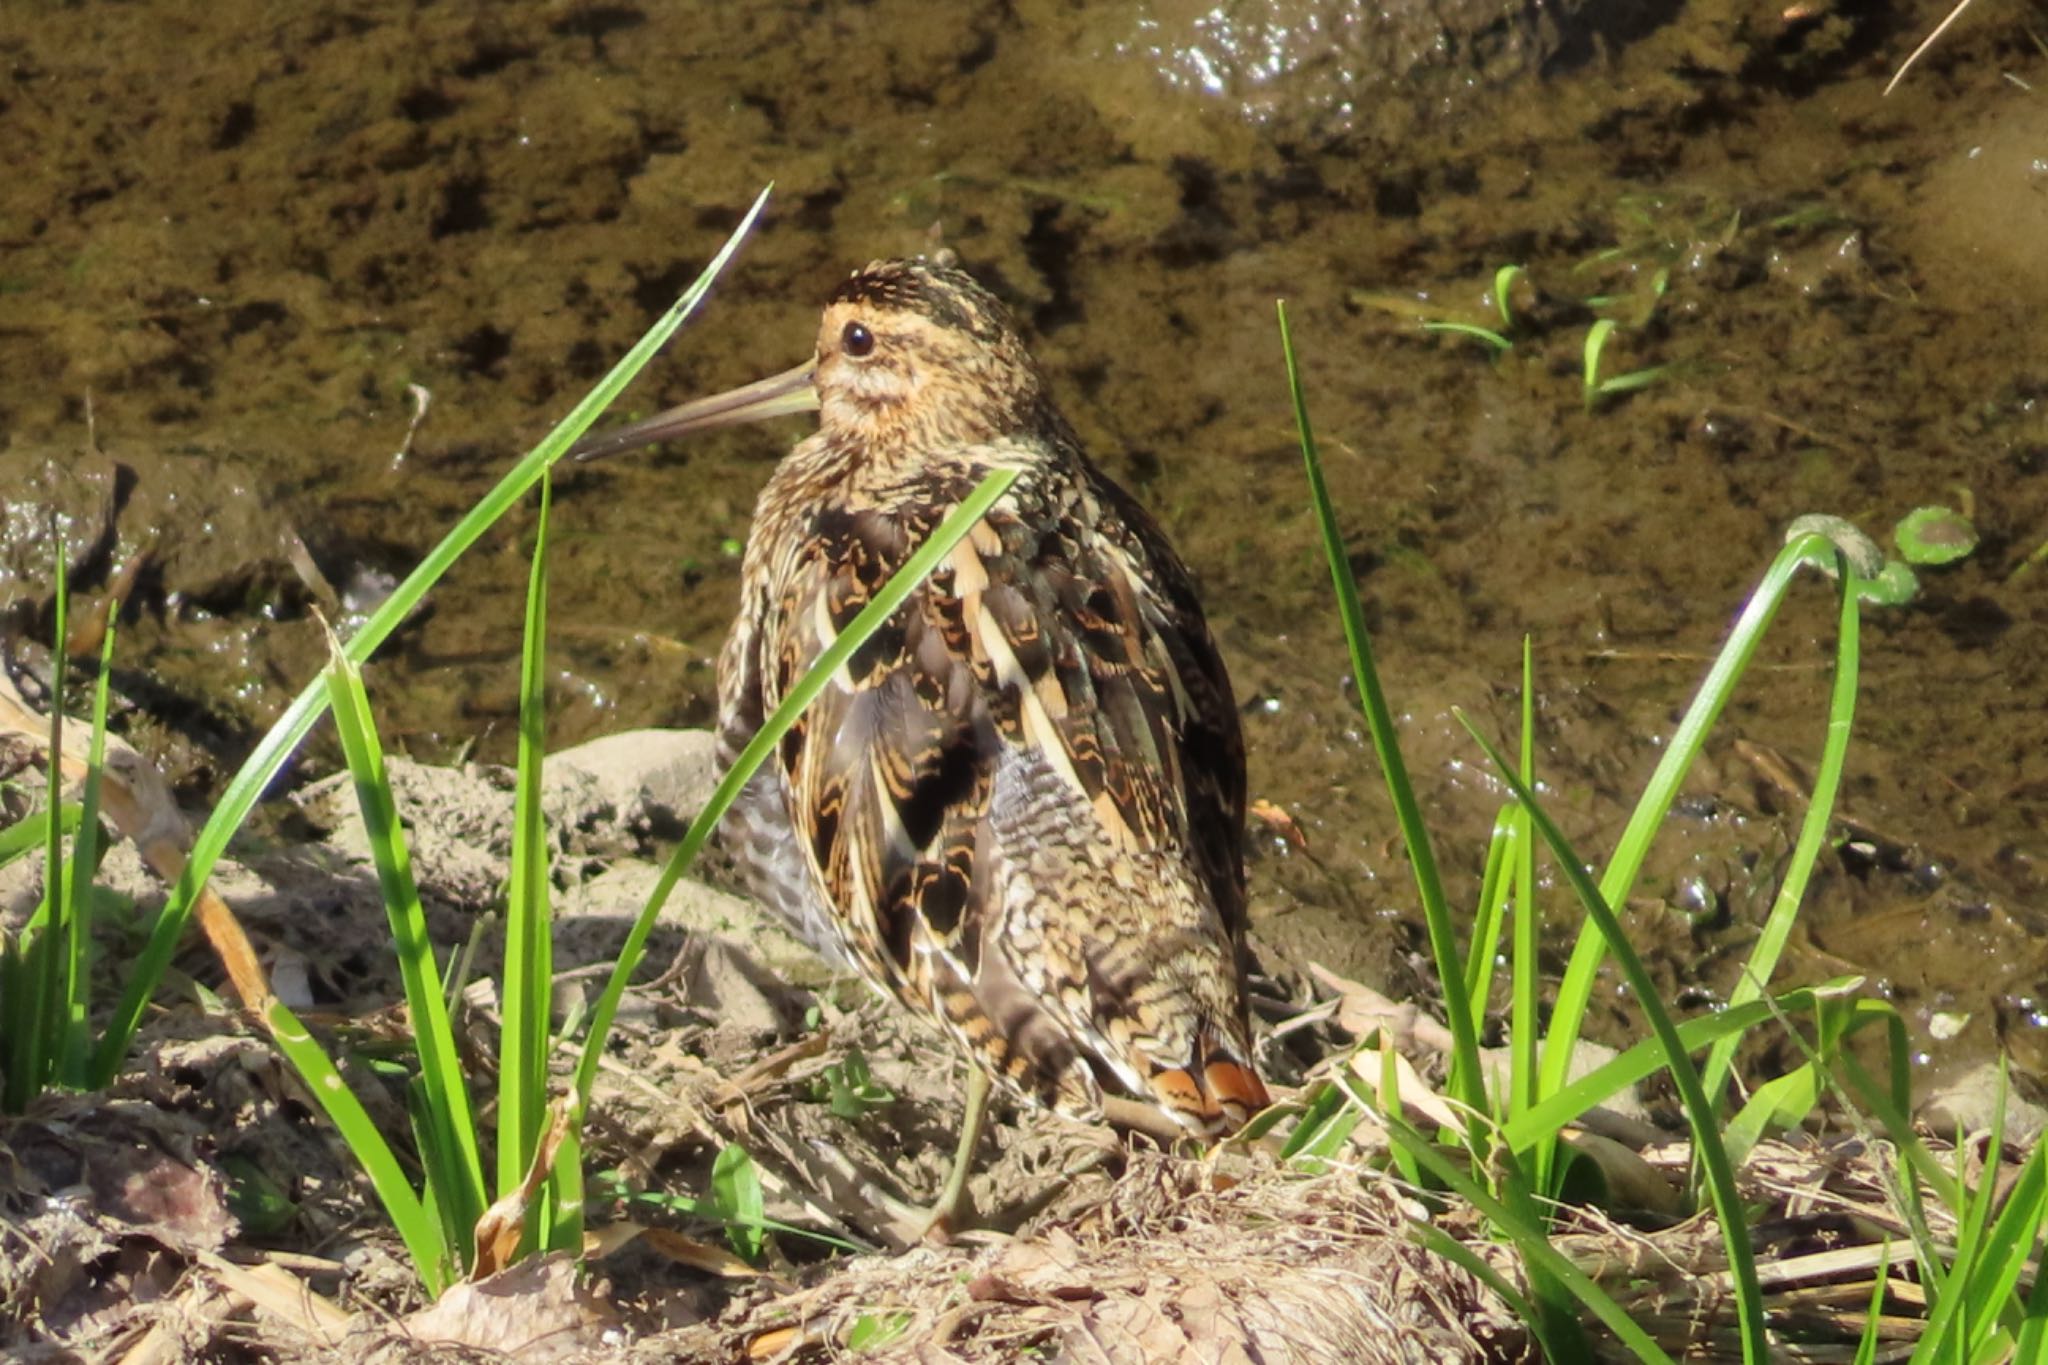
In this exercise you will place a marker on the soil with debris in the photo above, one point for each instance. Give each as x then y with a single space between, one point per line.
285 292
138 1216
203 1209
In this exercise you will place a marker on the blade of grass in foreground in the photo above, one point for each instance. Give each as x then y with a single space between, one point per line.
421 1230
270 754
27 835
1575 987
2032 1343
1495 885
1526 969
529 970
1707 1147
1813 830
1467 1084
449 1151
76 1052
870 619
2007 1244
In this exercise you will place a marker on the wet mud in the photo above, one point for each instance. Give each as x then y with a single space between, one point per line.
235 244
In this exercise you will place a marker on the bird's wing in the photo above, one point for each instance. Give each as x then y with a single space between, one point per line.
1060 641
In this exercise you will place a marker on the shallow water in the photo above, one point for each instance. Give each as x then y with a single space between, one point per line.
233 242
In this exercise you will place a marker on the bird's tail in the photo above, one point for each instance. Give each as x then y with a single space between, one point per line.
1216 1093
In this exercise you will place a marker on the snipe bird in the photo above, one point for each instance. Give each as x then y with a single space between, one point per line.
1020 807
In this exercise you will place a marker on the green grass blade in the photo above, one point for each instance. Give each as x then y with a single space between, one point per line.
1575 988
529 966
1537 1254
1499 344
285 736
1632 381
1720 1174
1813 830
1389 1102
612 1185
420 1231
1892 1118
1956 1314
1566 1104
2032 1341
1494 889
870 619
736 1194
1525 962
1866 1345
449 1151
2006 1246
1321 1108
38 1029
1468 1260
1505 858
27 835
1777 1103
1467 1085
74 1059
1503 286
1596 344
564 1228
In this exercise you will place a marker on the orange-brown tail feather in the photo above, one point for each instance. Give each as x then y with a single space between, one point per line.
1214 1097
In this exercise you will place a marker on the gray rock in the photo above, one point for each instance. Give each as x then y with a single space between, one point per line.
1970 1101
649 778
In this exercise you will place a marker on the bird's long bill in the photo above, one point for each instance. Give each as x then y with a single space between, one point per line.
779 395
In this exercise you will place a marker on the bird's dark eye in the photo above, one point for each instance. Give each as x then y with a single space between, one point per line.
856 340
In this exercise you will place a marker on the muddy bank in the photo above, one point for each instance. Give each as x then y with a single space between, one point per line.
200 1207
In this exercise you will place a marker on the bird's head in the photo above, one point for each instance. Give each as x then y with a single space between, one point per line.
911 355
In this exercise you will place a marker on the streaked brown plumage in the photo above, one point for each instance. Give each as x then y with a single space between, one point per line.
1020 808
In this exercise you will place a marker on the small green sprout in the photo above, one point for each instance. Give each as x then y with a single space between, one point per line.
1503 287
1492 338
849 1089
1895 585
1596 388
873 1331
736 1195
1934 535
1504 280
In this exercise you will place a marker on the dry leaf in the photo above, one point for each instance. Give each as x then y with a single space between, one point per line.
279 1292
138 802
1361 1009
537 1310
1279 822
1416 1094
503 1224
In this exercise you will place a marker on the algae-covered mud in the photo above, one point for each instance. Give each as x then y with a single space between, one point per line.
283 291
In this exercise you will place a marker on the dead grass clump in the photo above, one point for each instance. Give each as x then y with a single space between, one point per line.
1181 1261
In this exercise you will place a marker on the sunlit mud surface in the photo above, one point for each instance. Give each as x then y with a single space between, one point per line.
234 243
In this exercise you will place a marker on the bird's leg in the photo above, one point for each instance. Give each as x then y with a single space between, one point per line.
955 1207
